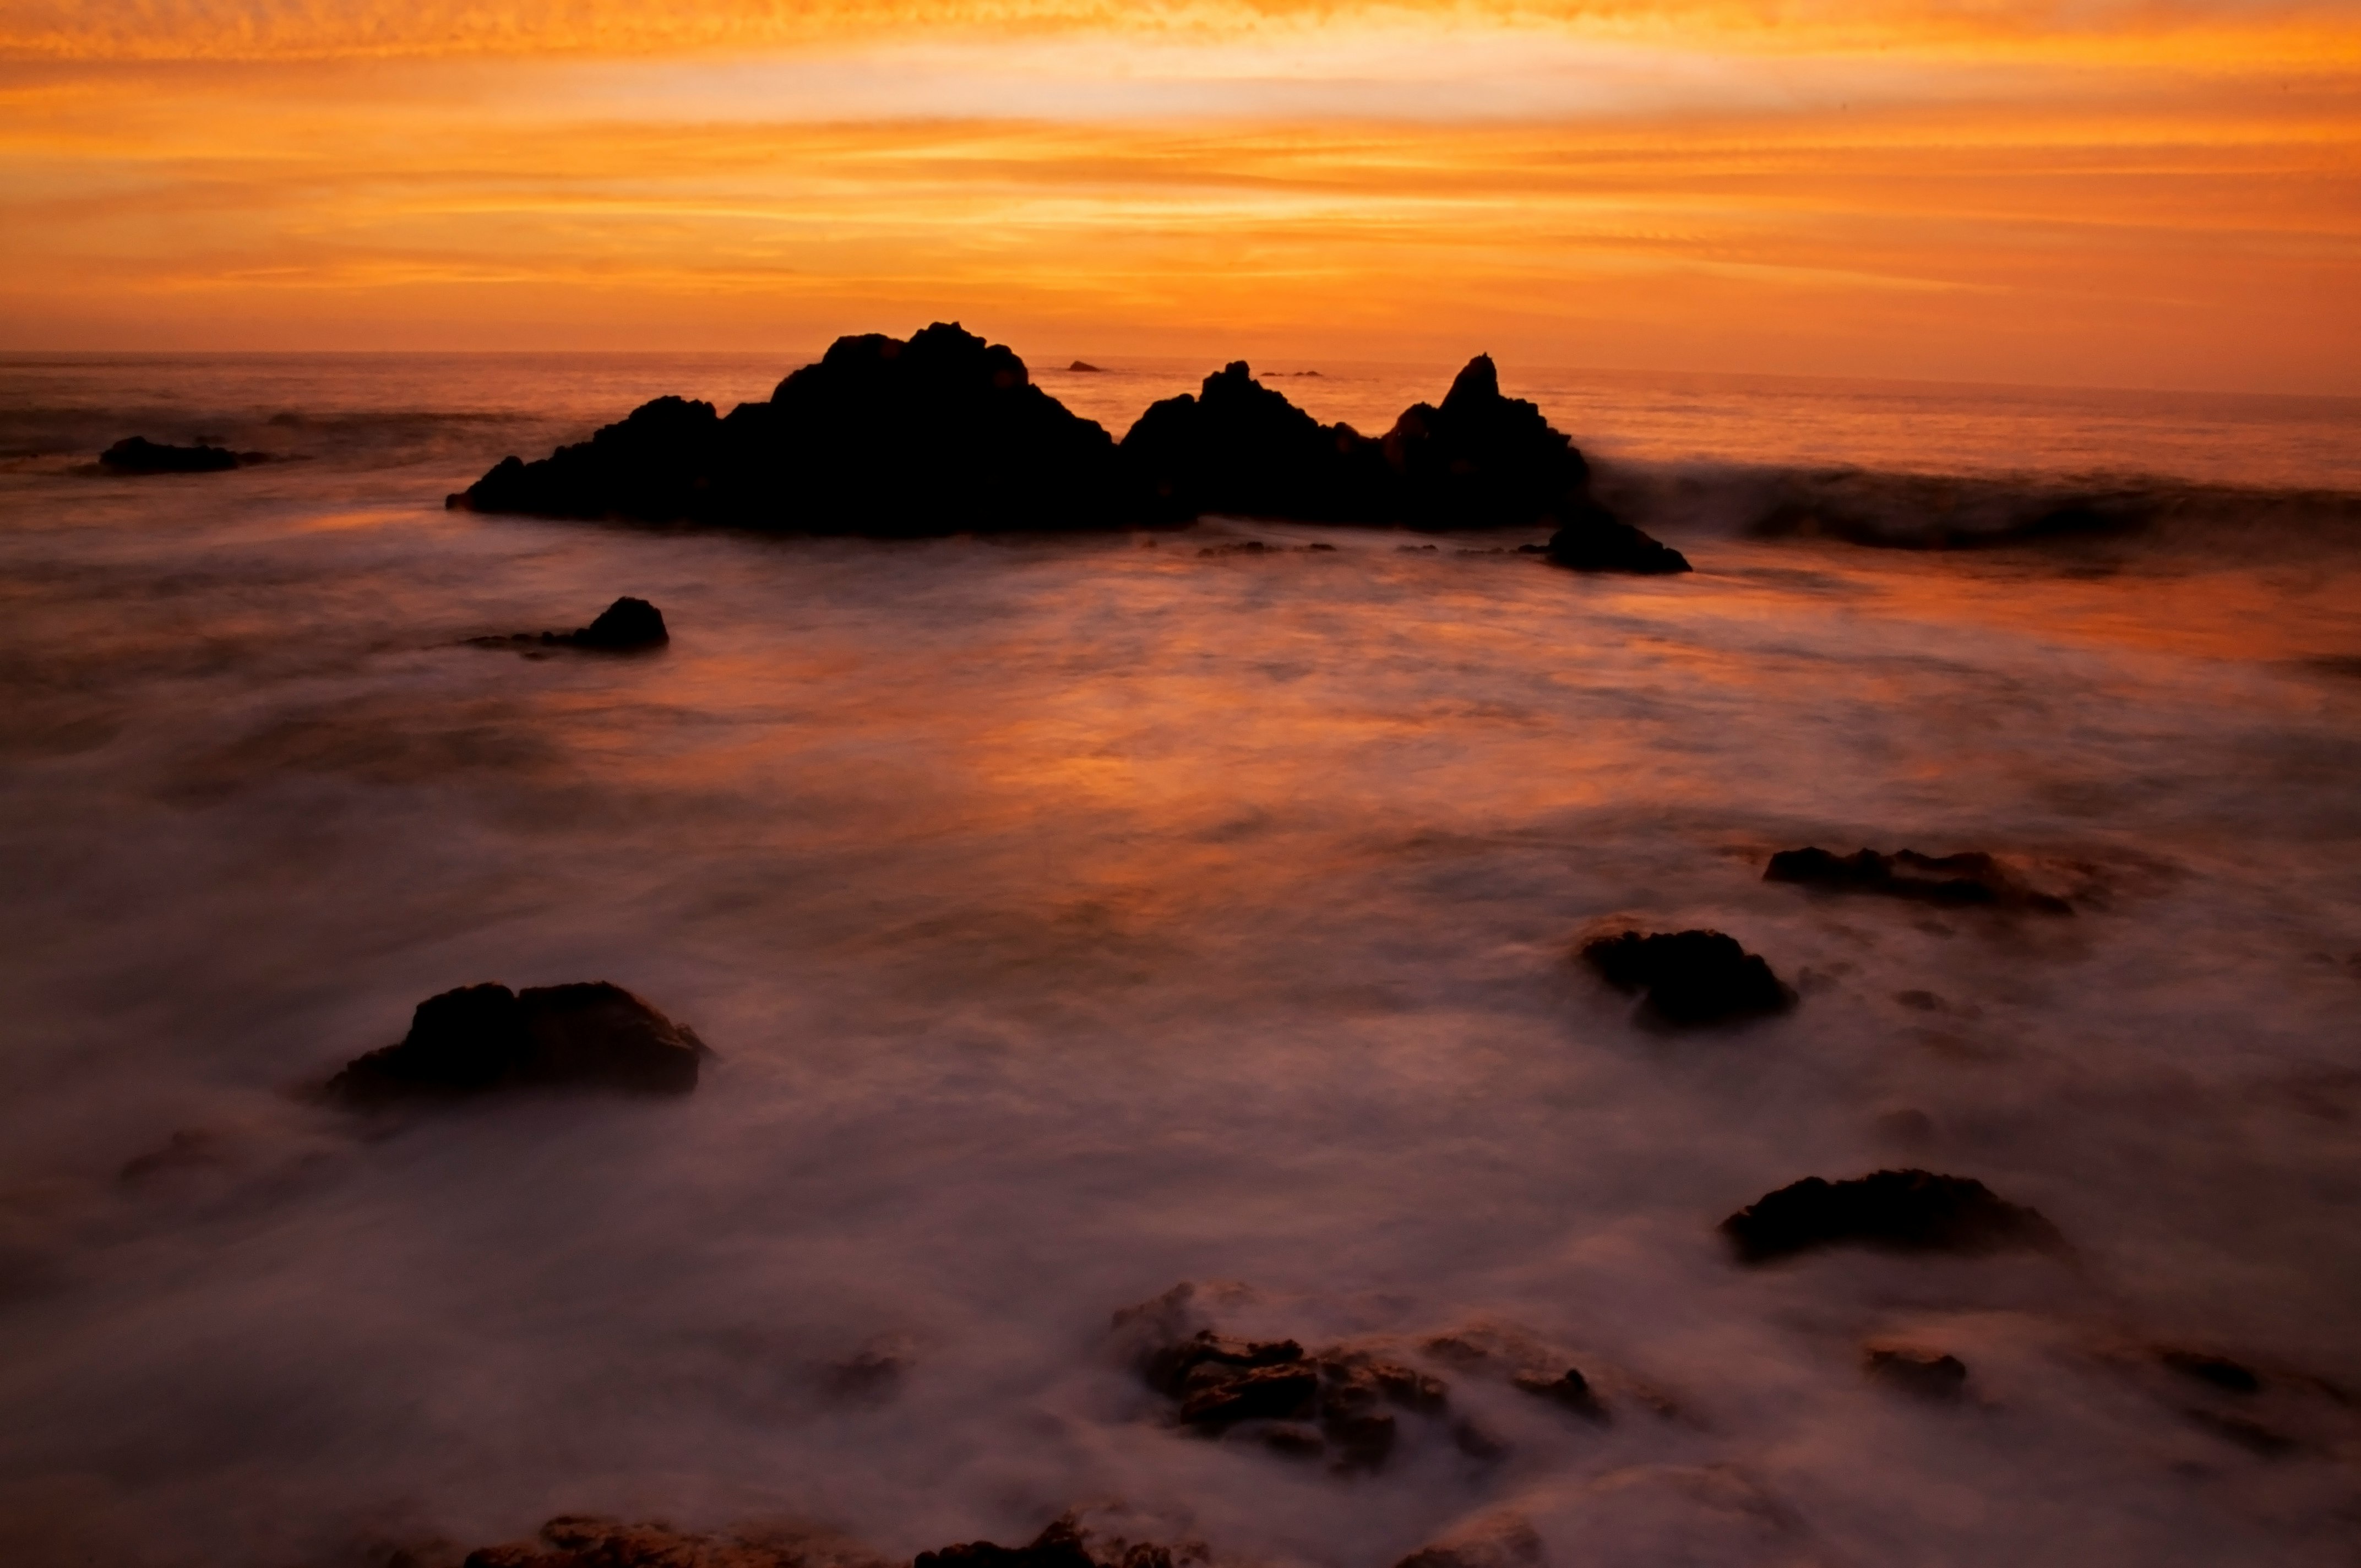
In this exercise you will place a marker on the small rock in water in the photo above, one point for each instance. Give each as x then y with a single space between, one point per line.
627 626
1339 1402
1971 877
575 1541
1081 366
1059 1546
2230 1376
138 455
481 1038
1926 1374
1599 543
1690 977
1901 1211
1569 1388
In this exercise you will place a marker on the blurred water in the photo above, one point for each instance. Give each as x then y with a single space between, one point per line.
1074 917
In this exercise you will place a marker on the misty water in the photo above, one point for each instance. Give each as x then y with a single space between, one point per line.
1074 917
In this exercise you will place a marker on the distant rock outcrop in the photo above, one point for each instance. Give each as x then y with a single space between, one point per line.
627 626
1690 977
483 1038
943 433
946 434
1083 367
1968 878
1236 446
1900 1210
138 455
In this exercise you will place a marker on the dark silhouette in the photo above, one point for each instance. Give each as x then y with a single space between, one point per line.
1083 366
1969 878
1923 1373
627 626
1901 1211
946 434
138 455
483 1038
1690 977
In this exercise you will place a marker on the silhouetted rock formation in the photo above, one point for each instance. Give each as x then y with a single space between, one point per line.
1238 447
1083 366
482 1039
945 433
1923 1373
1969 878
1901 1211
138 455
627 626
1690 977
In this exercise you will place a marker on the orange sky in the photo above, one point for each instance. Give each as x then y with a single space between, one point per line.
2082 191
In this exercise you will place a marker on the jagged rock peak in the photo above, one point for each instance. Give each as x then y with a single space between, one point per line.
1480 381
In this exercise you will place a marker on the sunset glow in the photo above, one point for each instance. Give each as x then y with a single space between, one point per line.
2144 194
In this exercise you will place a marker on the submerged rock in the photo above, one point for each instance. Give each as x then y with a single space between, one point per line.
1690 977
1968 878
1923 1373
1339 1403
1569 1388
483 1038
1597 542
1900 1210
1059 1546
574 1541
2216 1371
138 455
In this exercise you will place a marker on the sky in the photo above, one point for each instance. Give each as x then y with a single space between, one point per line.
2103 192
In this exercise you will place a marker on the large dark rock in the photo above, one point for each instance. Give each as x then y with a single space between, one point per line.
1971 877
1690 977
1901 1211
482 1039
1238 447
942 433
138 455
945 433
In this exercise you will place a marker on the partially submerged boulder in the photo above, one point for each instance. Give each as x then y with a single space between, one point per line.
484 1039
1898 1211
138 455
1922 1373
627 626
1689 977
1969 878
1341 1403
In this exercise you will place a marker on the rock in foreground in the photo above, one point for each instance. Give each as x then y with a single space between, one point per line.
138 455
1690 977
1900 1210
1971 877
487 1038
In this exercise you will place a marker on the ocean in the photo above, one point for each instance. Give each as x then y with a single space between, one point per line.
1075 917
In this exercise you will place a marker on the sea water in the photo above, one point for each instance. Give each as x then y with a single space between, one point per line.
1073 917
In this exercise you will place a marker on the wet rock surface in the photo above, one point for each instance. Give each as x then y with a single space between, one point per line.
482 1039
575 1541
627 626
1899 1211
1343 1404
138 455
1689 977
1969 878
